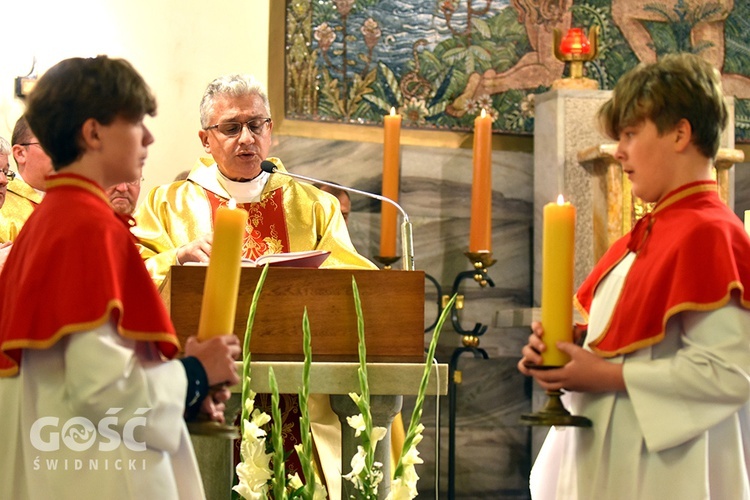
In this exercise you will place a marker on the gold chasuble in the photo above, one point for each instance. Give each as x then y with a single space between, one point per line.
20 201
289 216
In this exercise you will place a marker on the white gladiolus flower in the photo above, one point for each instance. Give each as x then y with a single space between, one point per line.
294 481
378 433
399 490
357 422
254 470
358 463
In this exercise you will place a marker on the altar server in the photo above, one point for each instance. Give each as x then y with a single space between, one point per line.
92 406
664 370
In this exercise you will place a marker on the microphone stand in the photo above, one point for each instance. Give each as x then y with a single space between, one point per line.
407 238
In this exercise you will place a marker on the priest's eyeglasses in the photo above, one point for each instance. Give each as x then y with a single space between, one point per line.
9 174
256 126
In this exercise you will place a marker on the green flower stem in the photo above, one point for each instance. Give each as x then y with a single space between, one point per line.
364 401
416 415
279 473
246 346
306 456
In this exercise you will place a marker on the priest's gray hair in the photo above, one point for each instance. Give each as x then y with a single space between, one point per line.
4 146
236 85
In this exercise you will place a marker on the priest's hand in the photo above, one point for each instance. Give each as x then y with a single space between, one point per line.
197 250
217 355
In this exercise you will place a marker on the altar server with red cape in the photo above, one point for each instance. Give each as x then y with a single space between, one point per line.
664 369
92 406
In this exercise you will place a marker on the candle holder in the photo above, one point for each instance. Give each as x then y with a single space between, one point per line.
576 49
554 412
481 261
386 261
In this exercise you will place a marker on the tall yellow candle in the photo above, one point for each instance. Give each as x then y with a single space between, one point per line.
558 258
480 234
223 275
391 160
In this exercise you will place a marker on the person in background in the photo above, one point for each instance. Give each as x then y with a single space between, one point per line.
663 371
4 155
124 196
175 221
26 191
93 407
6 175
345 202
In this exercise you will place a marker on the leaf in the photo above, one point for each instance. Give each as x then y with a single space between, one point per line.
480 53
246 343
391 80
481 26
416 415
377 101
306 454
279 474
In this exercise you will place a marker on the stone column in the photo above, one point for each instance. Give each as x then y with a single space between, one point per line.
383 410
563 124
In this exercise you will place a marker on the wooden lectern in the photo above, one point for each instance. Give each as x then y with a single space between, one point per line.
393 310
392 306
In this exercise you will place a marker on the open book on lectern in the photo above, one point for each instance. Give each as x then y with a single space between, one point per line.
311 259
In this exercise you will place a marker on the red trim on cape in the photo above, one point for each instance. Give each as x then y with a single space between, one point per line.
671 273
73 266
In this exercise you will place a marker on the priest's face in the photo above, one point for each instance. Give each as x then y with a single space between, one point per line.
238 154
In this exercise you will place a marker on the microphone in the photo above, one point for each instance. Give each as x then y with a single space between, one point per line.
407 238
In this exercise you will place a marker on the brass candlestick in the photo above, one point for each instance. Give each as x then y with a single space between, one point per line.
386 261
554 413
481 261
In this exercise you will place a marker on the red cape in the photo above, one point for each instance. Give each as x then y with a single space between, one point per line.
692 252
73 266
